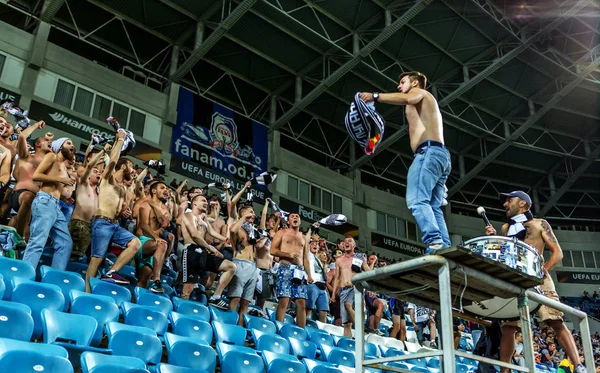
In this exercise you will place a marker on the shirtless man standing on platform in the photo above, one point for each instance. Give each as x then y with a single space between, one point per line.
105 224
347 266
198 256
431 167
293 273
47 220
539 234
86 204
26 189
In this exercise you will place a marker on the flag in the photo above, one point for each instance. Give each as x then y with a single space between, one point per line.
334 219
278 209
264 178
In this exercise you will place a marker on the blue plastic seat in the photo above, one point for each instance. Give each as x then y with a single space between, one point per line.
292 331
15 321
418 362
462 368
399 364
167 280
167 368
304 349
337 356
223 349
227 333
242 362
147 298
191 326
24 361
287 319
102 308
62 328
419 369
259 323
12 268
41 348
393 352
2 286
129 273
315 366
37 296
370 349
282 363
66 281
118 293
270 342
321 338
136 341
149 317
227 317
78 267
110 363
190 352
346 343
189 308
433 362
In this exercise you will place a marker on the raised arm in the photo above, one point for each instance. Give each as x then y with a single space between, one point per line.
231 206
179 190
551 242
398 98
115 153
88 168
23 136
263 216
139 187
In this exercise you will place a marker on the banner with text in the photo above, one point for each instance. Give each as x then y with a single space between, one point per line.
397 245
80 127
5 94
578 277
212 143
311 215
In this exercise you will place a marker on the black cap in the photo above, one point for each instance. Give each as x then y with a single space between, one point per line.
516 193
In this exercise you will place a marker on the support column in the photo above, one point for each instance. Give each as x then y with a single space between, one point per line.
446 329
355 44
536 201
298 90
551 184
274 150
199 34
388 17
526 330
174 59
273 110
34 63
461 165
465 73
531 108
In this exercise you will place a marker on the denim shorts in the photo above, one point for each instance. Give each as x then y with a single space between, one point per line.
318 298
104 233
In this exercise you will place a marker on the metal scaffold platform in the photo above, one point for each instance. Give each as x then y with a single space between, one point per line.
456 278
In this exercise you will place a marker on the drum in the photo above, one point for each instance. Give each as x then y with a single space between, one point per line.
514 254
508 251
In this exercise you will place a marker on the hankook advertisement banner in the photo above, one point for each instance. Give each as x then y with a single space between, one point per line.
82 128
211 143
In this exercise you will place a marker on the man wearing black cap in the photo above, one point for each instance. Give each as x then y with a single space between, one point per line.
537 233
431 167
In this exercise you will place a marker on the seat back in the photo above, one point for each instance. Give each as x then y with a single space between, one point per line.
238 362
136 344
116 292
148 317
2 286
15 321
223 349
315 366
292 331
191 354
227 317
30 361
168 368
228 333
162 303
305 349
190 308
91 360
371 349
68 326
102 308
339 356
37 296
284 363
12 268
273 343
77 267
41 348
66 281
347 344
321 338
418 362
191 326
258 323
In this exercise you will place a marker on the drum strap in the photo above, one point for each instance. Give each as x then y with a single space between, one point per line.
516 227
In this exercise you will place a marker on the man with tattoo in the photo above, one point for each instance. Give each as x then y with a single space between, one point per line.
539 234
47 220
154 215
105 224
198 256
26 189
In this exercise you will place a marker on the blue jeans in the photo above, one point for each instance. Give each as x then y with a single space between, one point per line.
67 209
47 220
427 176
104 233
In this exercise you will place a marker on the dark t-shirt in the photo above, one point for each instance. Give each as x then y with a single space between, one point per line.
543 358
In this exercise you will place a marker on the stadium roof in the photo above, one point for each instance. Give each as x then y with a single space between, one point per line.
517 81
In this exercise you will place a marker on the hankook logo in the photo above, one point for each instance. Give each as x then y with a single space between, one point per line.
61 118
